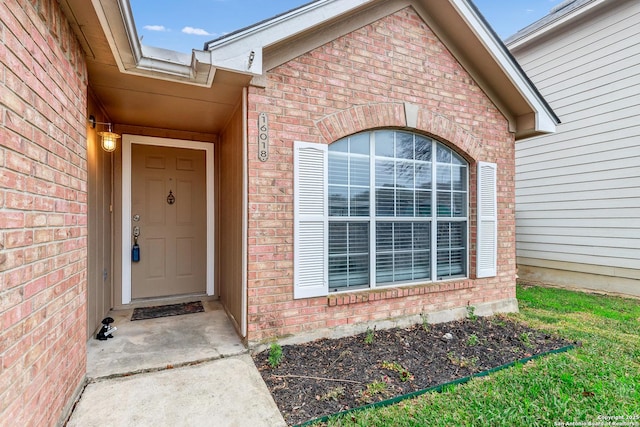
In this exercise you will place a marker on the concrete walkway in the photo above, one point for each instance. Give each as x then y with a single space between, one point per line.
189 370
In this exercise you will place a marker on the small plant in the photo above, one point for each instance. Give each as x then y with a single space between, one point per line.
392 366
333 394
498 321
462 361
472 340
471 313
373 389
425 322
370 336
275 354
403 374
525 338
453 358
473 362
376 387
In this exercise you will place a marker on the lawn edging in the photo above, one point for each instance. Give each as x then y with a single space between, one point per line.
436 388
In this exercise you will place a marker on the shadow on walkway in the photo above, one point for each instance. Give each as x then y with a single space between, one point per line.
174 371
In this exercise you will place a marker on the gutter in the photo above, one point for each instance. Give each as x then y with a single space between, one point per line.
116 19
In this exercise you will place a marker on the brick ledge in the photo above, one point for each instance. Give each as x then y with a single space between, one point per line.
378 294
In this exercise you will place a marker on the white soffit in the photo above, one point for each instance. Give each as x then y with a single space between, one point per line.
117 22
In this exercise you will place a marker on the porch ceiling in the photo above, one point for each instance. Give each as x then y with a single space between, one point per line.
140 101
151 102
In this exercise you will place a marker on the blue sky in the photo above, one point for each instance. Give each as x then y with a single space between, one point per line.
183 25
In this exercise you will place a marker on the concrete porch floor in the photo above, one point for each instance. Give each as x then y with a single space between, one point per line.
173 371
153 344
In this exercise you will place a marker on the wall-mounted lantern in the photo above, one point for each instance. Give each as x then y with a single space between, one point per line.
108 139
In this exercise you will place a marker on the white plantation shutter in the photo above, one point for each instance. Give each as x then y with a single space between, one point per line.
487 245
310 220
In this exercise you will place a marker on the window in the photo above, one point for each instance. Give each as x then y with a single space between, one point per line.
383 229
387 207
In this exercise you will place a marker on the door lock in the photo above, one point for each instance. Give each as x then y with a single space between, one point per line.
135 251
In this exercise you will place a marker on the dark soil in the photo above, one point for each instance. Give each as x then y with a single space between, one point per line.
331 375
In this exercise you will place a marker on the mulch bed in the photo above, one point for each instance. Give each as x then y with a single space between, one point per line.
332 375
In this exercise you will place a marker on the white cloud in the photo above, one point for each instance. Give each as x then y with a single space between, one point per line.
155 28
529 10
196 31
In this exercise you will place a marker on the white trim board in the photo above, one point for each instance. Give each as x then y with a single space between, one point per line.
245 209
127 142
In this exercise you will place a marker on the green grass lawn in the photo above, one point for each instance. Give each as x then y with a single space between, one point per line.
599 379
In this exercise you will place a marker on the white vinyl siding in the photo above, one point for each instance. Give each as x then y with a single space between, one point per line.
577 191
310 220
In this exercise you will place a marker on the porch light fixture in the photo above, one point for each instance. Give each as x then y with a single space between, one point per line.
108 138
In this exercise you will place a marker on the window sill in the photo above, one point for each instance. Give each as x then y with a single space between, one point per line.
366 295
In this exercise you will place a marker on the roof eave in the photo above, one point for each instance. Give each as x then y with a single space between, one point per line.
526 37
242 51
540 119
116 19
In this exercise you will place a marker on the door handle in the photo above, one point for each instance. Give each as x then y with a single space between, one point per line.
136 231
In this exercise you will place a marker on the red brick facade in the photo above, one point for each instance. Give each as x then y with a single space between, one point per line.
43 213
359 82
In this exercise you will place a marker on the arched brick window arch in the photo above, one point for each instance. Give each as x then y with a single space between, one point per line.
361 118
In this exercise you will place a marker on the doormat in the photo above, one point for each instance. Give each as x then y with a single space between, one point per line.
167 310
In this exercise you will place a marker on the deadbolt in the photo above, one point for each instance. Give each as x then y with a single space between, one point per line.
136 217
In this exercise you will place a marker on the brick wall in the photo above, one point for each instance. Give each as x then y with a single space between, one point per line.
360 82
42 213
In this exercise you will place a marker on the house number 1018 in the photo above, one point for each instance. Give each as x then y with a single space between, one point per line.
263 137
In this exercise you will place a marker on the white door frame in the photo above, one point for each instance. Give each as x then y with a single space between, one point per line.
127 142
